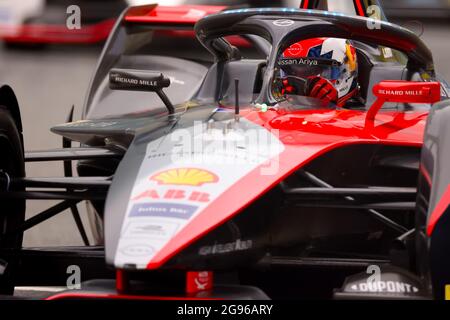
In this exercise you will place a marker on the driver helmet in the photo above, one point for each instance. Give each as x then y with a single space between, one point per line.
331 59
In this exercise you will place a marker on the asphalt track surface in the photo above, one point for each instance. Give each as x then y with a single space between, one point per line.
48 82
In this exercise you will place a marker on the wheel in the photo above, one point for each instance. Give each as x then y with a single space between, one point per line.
12 211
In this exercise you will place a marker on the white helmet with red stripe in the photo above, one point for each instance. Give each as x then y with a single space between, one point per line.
329 64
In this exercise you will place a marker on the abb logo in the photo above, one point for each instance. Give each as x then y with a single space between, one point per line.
173 194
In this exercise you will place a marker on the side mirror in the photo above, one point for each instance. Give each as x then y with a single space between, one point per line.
141 80
403 91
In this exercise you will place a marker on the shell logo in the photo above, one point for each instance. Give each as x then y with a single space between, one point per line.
185 176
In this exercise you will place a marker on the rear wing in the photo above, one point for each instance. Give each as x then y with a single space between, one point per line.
94 32
165 15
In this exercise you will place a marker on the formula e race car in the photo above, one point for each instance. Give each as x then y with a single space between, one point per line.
207 178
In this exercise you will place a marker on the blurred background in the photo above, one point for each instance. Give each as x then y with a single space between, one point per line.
49 78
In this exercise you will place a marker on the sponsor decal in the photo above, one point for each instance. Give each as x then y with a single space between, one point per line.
294 49
137 250
385 286
162 209
134 81
402 92
90 124
387 52
150 229
283 22
185 176
307 62
198 281
344 88
238 245
298 61
169 192
173 194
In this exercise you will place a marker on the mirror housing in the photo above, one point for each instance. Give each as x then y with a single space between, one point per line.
137 80
141 80
403 91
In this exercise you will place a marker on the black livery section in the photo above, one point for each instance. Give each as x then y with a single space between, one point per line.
432 211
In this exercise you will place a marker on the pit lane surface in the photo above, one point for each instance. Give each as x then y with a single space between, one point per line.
48 82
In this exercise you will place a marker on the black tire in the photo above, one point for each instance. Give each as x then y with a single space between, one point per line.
12 211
